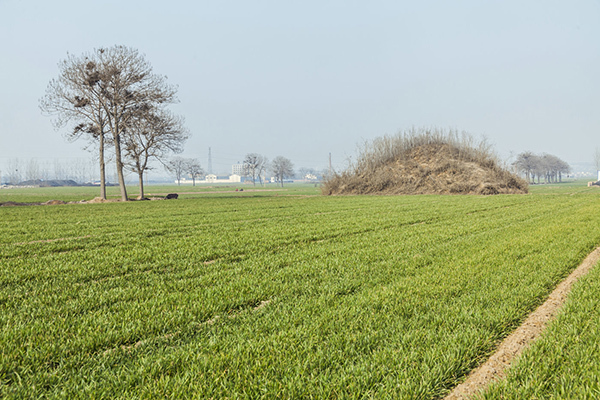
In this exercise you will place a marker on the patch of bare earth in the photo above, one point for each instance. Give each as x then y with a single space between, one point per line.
495 368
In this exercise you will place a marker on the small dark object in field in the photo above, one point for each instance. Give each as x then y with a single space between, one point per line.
241 190
172 196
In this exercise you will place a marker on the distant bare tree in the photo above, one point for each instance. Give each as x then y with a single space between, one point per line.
59 172
15 171
45 171
79 168
547 166
103 91
152 135
563 168
527 163
554 168
32 172
177 166
193 169
282 168
254 165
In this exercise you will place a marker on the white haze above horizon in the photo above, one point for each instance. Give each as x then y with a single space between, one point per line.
305 79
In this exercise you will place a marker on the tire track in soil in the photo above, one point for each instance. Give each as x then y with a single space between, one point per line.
495 367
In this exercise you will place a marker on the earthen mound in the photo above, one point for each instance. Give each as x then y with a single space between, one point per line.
425 163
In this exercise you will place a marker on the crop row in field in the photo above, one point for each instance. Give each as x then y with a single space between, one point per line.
565 362
268 297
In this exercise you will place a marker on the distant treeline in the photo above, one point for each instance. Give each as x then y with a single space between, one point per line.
545 168
80 170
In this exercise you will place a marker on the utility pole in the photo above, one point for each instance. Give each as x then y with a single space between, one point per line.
330 168
209 162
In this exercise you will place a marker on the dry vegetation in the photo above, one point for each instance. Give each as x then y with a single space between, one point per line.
425 162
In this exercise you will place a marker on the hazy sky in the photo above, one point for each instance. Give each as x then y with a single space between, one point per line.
305 78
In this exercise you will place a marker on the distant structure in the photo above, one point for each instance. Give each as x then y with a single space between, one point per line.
209 162
212 178
237 169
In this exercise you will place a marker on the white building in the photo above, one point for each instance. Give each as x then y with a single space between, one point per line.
210 178
237 169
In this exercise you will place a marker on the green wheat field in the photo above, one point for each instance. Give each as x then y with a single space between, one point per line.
284 293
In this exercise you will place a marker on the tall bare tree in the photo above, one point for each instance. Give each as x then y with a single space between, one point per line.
254 166
75 102
105 90
282 168
152 134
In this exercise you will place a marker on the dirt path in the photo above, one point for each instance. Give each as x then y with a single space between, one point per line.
495 368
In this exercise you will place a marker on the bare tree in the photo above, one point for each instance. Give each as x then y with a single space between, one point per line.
15 171
282 168
75 101
547 166
32 172
152 135
45 171
105 90
555 167
177 166
527 163
563 168
254 166
193 169
58 170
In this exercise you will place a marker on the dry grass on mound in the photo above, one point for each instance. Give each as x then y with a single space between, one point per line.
425 162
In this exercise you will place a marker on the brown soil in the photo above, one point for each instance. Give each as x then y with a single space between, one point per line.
430 169
495 368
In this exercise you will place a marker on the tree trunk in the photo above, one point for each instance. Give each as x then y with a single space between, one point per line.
102 169
141 177
120 168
